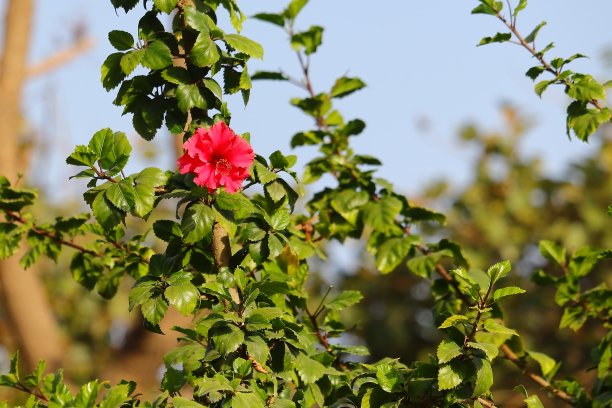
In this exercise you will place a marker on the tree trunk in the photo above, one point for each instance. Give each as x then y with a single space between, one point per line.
22 294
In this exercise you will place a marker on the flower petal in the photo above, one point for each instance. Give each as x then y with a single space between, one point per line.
188 164
241 154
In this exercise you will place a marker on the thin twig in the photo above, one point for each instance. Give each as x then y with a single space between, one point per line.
318 332
320 308
486 403
562 395
538 55
62 57
17 217
14 216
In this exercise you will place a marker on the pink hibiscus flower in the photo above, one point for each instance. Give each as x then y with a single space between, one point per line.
218 157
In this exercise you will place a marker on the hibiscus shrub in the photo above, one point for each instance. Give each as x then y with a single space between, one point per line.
238 261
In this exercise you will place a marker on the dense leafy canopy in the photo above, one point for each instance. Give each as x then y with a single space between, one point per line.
239 263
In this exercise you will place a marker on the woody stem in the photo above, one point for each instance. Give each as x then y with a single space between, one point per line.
222 254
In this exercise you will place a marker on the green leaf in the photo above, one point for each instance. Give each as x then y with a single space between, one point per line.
165 6
228 225
81 156
141 292
348 203
126 5
176 75
122 195
392 253
309 40
264 175
107 215
280 220
497 38
111 73
519 7
121 40
585 88
197 20
488 7
226 337
183 296
533 402
389 378
573 317
541 86
154 309
10 237
245 45
157 55
345 299
189 96
213 87
547 364
197 223
345 86
247 400
484 377
145 183
507 291
180 402
276 191
493 327
309 370
533 34
490 349
355 127
88 393
313 397
112 149
498 271
381 215
116 396
553 252
275 19
448 378
278 76
294 8
583 121
452 320
257 348
535 72
447 350
239 204
131 60
205 52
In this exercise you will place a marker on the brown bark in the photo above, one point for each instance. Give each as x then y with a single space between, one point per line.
81 46
22 294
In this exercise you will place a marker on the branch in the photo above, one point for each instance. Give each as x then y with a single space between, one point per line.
562 395
486 403
318 332
14 216
17 217
539 56
222 254
60 58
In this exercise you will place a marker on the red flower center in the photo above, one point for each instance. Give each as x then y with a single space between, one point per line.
222 166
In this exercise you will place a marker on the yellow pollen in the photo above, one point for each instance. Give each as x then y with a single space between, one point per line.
223 166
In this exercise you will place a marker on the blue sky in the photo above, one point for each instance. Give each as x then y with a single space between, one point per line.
418 58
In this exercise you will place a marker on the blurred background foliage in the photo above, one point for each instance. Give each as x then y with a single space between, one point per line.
507 208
